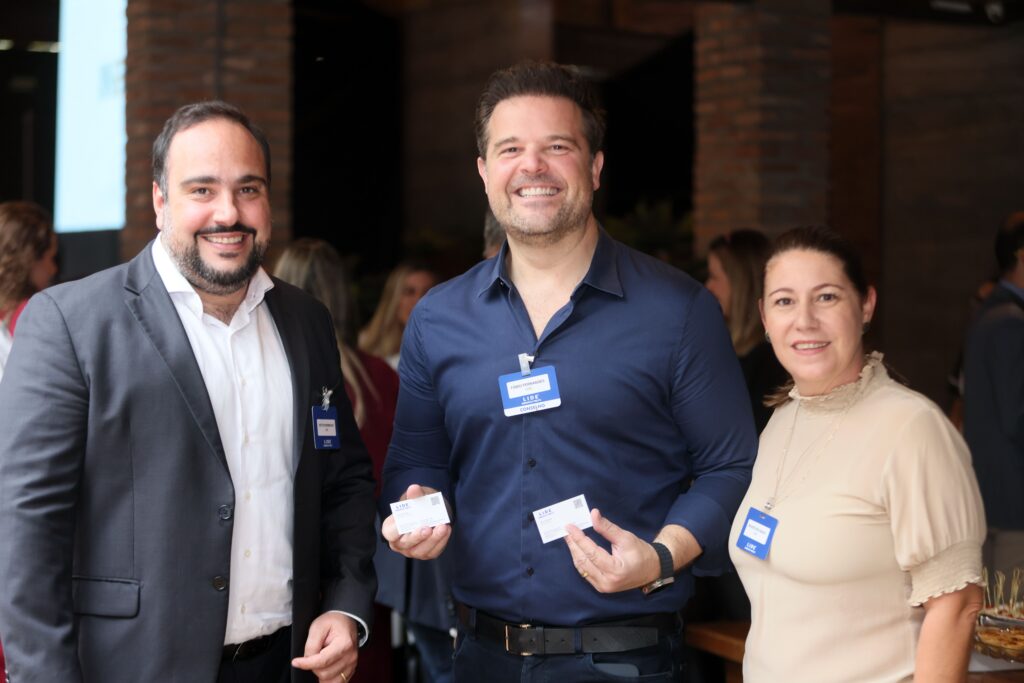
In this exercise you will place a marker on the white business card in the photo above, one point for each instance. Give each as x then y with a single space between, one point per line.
415 513
551 520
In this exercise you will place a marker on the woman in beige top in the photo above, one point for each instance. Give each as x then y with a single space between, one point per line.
863 502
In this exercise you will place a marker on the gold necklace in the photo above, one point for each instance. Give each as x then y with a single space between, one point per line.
774 500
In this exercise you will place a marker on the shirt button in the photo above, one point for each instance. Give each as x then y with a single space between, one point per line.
529 571
248 495
219 583
241 381
531 462
528 520
248 553
245 439
243 609
224 512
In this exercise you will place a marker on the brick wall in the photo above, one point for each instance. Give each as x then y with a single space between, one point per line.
953 162
762 90
181 51
855 141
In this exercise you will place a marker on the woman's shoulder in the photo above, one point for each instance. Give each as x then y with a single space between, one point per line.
899 400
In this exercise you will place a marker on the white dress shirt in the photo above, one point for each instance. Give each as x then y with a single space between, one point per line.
249 382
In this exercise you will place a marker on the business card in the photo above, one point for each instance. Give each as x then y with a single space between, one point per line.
551 520
415 513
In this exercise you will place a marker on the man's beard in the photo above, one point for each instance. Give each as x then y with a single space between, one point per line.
569 218
203 276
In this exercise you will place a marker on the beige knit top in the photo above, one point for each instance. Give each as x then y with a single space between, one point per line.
878 510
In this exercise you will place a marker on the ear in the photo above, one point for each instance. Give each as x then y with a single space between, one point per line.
481 168
868 306
158 205
595 169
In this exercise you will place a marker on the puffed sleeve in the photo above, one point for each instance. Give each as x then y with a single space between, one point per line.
938 523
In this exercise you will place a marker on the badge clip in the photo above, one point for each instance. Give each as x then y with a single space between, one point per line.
325 401
524 363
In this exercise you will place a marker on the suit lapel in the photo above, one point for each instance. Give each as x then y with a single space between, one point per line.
298 360
152 307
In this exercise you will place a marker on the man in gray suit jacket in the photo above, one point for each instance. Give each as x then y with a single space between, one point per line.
184 495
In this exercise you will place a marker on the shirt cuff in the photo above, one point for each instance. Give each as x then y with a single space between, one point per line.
947 572
361 627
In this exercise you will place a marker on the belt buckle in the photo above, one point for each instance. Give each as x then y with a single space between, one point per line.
508 648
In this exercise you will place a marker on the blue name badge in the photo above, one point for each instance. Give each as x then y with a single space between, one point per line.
757 533
521 394
325 428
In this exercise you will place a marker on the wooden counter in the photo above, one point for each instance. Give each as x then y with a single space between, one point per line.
725 639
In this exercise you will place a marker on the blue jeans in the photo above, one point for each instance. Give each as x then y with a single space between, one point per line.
478 659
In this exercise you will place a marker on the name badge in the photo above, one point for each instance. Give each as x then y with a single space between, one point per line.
551 520
757 533
325 428
522 394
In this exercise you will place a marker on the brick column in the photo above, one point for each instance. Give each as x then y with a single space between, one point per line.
182 51
762 82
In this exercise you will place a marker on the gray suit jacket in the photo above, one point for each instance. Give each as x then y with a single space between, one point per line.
994 406
115 497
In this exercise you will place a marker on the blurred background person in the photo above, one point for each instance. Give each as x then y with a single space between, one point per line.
869 565
372 386
994 400
28 264
735 276
955 378
419 591
494 234
405 286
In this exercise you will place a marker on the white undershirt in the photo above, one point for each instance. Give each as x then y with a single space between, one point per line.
249 382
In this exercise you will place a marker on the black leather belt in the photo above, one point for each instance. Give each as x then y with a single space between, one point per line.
237 652
532 639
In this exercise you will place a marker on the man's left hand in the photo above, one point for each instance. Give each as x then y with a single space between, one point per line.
631 564
332 648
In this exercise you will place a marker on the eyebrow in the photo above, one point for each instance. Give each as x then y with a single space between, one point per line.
213 180
551 138
813 289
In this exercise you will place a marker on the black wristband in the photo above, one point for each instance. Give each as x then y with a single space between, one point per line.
665 558
667 575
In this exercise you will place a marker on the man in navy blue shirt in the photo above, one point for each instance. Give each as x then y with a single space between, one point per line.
568 365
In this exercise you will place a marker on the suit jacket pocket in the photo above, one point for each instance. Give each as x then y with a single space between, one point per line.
105 597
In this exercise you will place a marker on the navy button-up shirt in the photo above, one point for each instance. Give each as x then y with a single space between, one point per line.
652 398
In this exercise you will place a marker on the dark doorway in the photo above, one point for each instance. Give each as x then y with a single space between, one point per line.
650 152
347 152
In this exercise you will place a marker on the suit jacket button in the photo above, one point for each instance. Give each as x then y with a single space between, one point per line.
224 512
220 583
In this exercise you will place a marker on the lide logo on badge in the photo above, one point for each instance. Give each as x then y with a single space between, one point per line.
522 394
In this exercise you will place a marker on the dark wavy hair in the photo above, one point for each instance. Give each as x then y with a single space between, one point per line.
192 115
827 241
546 79
26 232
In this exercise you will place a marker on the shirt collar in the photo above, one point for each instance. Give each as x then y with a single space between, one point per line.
1013 288
179 288
603 273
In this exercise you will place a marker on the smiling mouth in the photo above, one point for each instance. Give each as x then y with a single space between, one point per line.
537 191
809 346
224 239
